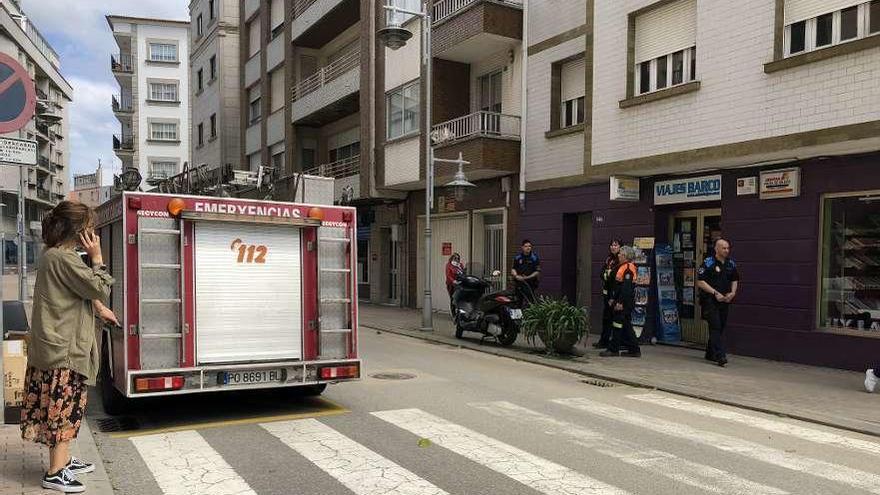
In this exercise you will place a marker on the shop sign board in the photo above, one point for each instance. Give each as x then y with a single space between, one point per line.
624 188
746 186
784 183
689 190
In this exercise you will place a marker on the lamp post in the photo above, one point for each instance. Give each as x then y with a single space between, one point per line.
395 36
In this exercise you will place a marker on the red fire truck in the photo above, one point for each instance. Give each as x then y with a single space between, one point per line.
219 294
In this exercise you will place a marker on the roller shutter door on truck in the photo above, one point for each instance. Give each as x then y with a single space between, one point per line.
248 301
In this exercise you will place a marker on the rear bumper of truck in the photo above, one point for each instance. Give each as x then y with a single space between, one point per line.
215 378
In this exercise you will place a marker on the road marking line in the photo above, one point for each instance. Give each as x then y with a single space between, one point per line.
834 472
540 474
659 462
360 469
335 410
184 463
776 426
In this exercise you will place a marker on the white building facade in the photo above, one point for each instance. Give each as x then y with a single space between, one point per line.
152 68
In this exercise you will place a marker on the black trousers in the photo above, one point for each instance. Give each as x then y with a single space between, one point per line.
623 335
607 321
715 314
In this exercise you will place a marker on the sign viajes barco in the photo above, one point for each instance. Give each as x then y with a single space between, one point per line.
690 190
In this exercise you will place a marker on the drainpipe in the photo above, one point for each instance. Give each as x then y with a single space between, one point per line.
525 107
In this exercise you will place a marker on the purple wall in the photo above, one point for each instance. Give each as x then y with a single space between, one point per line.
775 244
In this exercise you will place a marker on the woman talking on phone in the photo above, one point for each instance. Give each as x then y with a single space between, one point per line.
63 352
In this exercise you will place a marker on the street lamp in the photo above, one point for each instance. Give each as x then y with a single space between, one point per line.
395 37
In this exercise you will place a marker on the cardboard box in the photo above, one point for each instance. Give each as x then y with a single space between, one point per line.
14 367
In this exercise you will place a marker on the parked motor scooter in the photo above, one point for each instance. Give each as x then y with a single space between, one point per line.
496 315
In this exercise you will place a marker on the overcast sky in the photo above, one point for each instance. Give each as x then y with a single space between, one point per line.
77 30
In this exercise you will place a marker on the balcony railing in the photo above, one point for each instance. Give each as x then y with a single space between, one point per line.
338 169
299 7
34 34
121 62
43 194
43 162
480 124
124 143
122 103
448 8
326 74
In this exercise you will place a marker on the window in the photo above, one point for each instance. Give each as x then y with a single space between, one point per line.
213 66
254 110
490 92
163 52
211 13
200 79
666 71
278 161
201 134
850 294
572 92
276 18
276 84
163 131
411 5
344 145
403 110
810 26
200 26
254 37
161 91
162 169
213 125
664 46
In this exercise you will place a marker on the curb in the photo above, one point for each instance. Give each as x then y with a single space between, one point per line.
98 482
840 423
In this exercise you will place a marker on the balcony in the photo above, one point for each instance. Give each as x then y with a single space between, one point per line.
122 63
42 132
329 94
44 164
316 22
123 144
44 194
346 172
122 104
466 30
489 141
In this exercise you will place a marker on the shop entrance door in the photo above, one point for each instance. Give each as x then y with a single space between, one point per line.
692 234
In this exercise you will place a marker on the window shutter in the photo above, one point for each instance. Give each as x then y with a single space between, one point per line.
573 79
277 12
666 30
799 10
277 80
254 36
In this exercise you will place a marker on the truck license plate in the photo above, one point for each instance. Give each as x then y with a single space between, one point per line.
516 314
252 377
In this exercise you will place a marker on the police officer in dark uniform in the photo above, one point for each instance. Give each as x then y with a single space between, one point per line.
609 272
624 296
526 266
718 281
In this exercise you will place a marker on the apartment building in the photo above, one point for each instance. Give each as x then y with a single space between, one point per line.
89 189
214 67
756 121
477 102
46 183
152 69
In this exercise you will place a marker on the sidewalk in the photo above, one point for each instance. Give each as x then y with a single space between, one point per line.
22 464
819 395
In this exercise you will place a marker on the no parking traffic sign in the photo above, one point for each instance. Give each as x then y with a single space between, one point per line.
18 99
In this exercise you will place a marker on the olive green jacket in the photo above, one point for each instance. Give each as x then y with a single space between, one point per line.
63 330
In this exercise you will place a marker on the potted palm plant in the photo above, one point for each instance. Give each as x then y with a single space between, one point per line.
557 323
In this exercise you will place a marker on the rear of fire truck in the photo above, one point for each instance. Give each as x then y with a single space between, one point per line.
219 294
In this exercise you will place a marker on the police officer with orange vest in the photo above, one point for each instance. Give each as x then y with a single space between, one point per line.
623 334
718 281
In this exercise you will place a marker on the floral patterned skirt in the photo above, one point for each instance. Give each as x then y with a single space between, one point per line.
54 405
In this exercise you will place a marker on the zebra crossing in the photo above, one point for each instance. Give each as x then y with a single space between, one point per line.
184 462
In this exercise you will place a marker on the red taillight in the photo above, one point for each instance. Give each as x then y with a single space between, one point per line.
502 299
158 384
331 372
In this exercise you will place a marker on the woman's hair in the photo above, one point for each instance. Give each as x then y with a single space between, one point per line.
611 259
65 222
628 252
455 256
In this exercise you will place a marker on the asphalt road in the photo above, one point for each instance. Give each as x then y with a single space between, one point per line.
470 423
